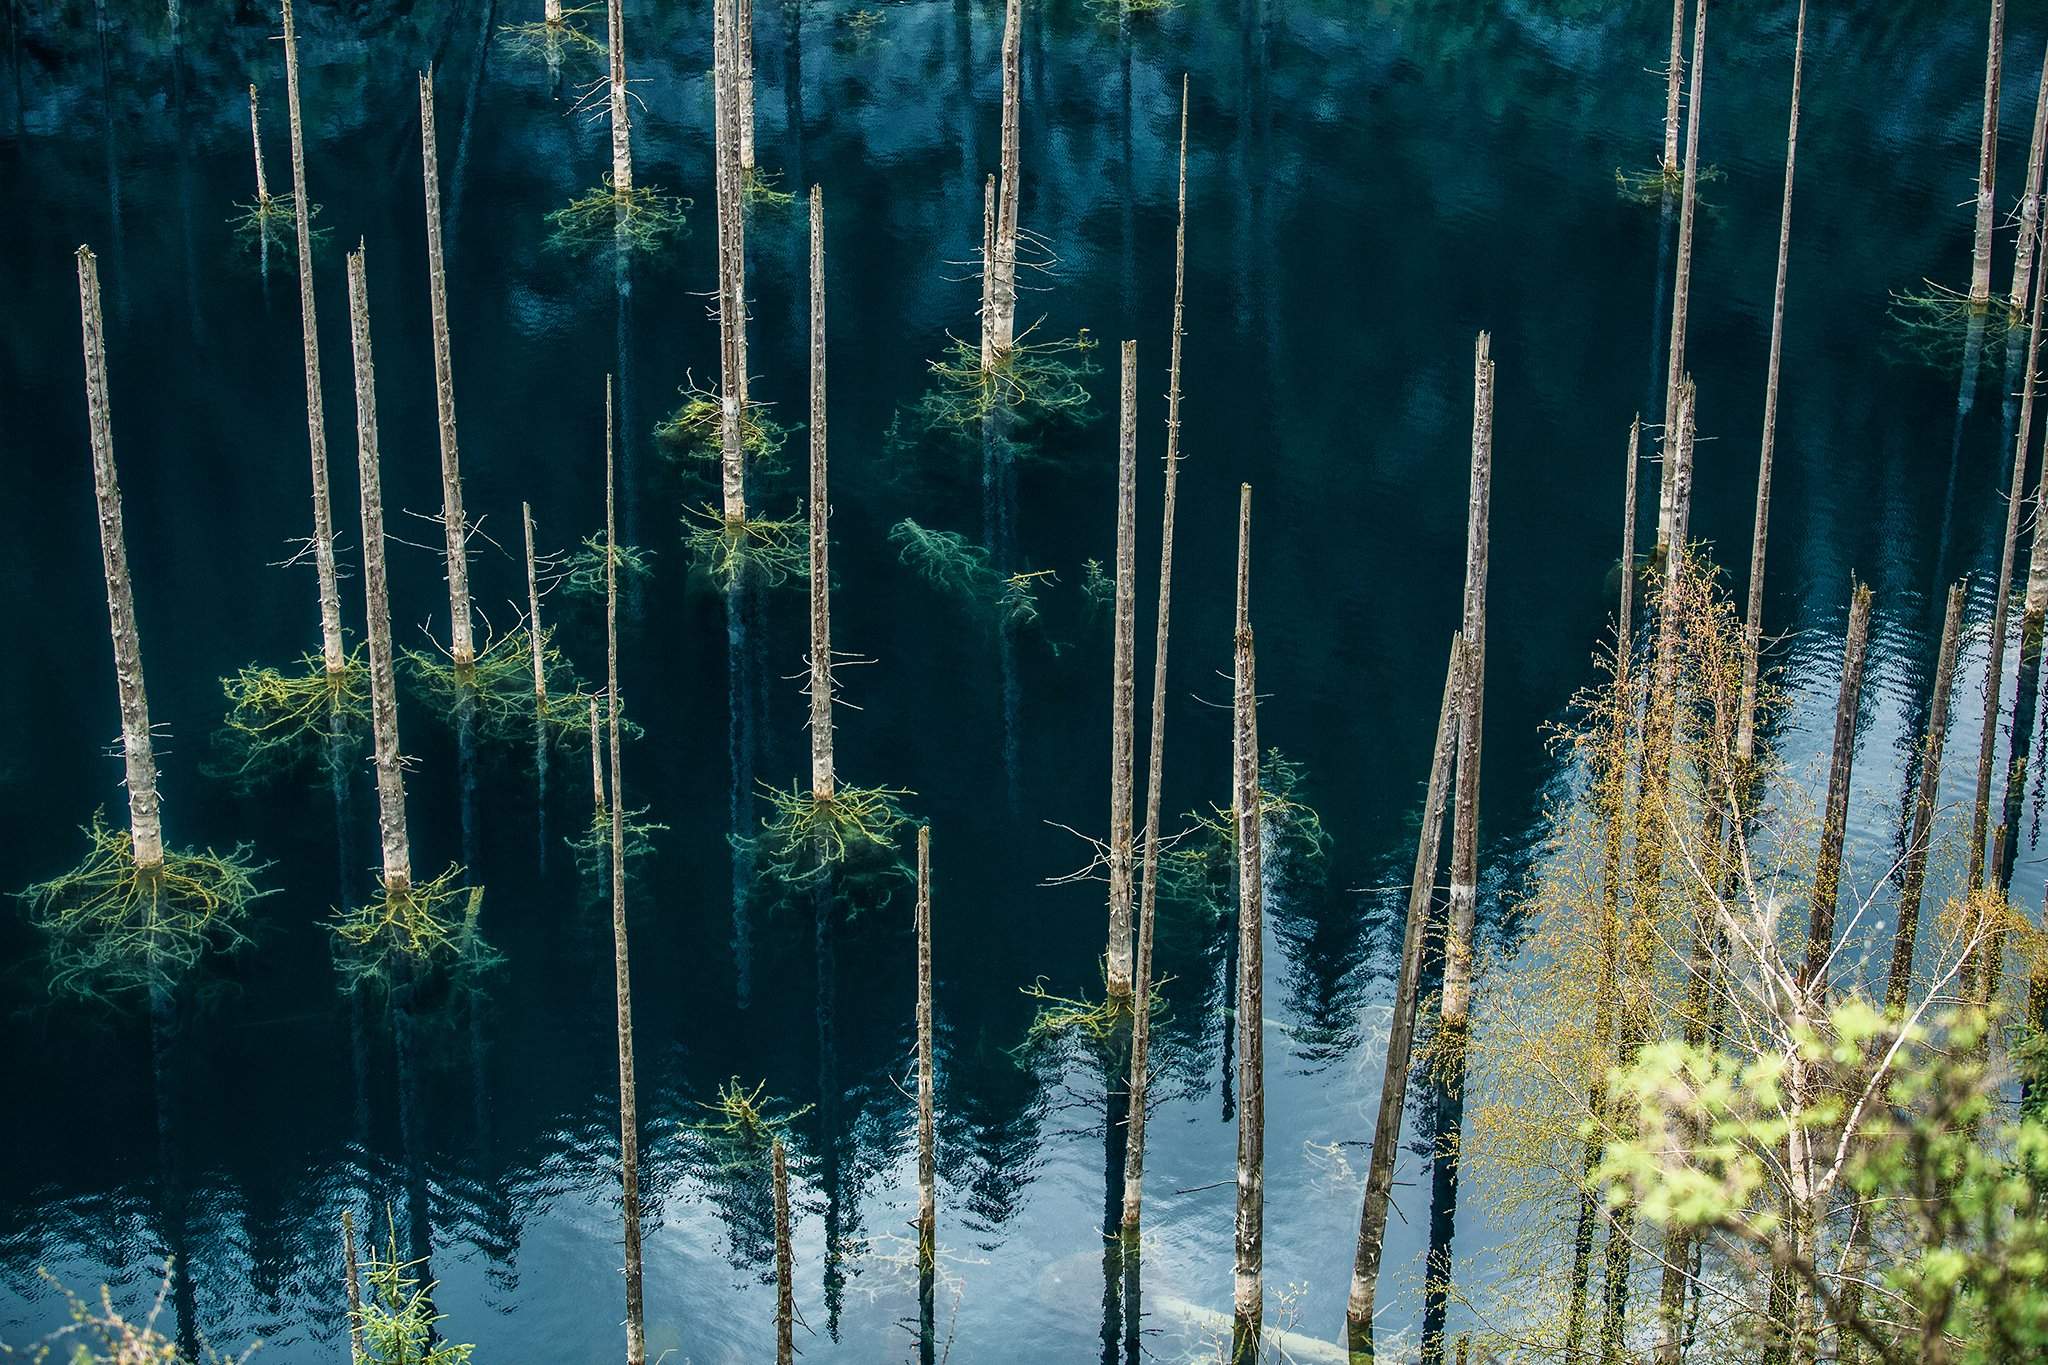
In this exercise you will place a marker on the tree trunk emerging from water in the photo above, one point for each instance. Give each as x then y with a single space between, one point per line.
927 1166
598 806
1386 1136
1681 292
988 275
1249 1292
256 142
145 819
732 289
461 643
377 595
1913 867
822 781
2030 203
743 72
1155 765
1987 162
1820 929
536 637
1673 74
1002 288
622 118
1123 688
331 650
1753 615
785 1261
352 1281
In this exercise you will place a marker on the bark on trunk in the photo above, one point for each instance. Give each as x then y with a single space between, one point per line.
1753 616
743 69
461 643
256 142
1913 867
1820 931
1457 986
927 1167
988 275
145 821
785 1262
1249 1293
536 637
1987 161
1682 287
1123 685
331 651
353 1282
732 352
822 783
551 11
2030 202
622 118
1672 75
1624 617
1155 765
1003 288
1386 1136
629 1102
377 594
598 806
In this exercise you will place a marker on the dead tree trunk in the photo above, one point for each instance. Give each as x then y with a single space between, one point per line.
1249 1292
1987 162
256 142
743 70
1673 73
622 118
1820 927
1624 617
377 595
145 820
2030 202
1913 867
629 1099
461 642
598 806
331 651
1155 766
988 275
1386 1135
1753 615
1123 688
732 304
1682 285
785 1261
927 1179
1003 288
535 636
353 1282
822 780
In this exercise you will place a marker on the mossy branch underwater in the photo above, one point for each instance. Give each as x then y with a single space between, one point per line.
499 688
426 926
277 721
1032 384
772 551
641 218
947 560
806 837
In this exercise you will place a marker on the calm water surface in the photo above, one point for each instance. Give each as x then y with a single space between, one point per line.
1371 183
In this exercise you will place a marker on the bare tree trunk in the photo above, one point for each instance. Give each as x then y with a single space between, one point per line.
536 637
1672 75
1753 616
461 642
988 275
1624 617
145 820
353 1283
2030 202
1003 288
551 11
331 650
822 781
732 303
598 806
927 1179
1682 286
785 1261
1155 766
1386 1135
1123 687
1987 162
629 1097
1913 868
622 118
377 595
256 141
1820 930
1249 1292
743 69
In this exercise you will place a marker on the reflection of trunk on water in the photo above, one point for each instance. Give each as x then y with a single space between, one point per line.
823 906
405 1054
486 26
1966 400
999 530
1125 195
170 1186
465 770
739 697
113 161
1116 1114
193 316
629 498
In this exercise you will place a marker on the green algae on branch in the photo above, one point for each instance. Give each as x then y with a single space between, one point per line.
639 218
581 572
276 721
113 927
743 1115
1942 327
1102 1024
592 849
692 430
1200 866
947 560
428 925
1034 382
725 550
808 836
758 187
1658 184
551 38
499 689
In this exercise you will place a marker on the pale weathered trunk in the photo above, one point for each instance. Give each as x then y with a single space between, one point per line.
598 807
331 651
1464 900
1673 73
461 642
1003 288
1753 615
785 1260
927 1179
1681 293
536 637
1913 867
551 12
1250 1243
1987 162
1820 927
1624 620
732 305
1123 688
822 780
145 821
377 595
1386 1135
629 1099
1155 766
743 70
988 275
622 119
2030 202
352 1281
256 142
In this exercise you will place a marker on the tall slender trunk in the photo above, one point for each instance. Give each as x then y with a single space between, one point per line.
461 642
629 1097
1123 688
1753 616
1987 162
2030 202
732 301
1249 1292
377 594
785 1261
927 1179
743 71
598 805
1682 282
145 820
1913 867
622 118
1003 287
256 143
988 275
352 1281
1386 1133
1155 764
536 636
1673 74
1820 929
822 783
309 334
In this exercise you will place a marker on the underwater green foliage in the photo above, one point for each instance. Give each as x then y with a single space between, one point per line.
112 929
1200 867
774 551
430 926
1036 383
1941 327
1659 185
550 41
640 219
499 688
947 560
692 430
1098 589
398 1314
742 1116
861 23
805 837
277 721
582 570
1103 1025
273 222
592 849
759 187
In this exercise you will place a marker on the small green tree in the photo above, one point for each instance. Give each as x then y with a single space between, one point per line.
399 1317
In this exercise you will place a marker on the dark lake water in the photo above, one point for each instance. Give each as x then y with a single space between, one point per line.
1370 184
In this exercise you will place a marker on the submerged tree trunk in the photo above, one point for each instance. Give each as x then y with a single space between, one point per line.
1753 615
822 782
1987 162
353 1284
377 595
1123 687
1913 867
622 119
461 643
1002 293
1673 73
732 291
927 1179
2030 203
785 1260
1249 1291
1682 285
1155 764
309 333
1820 930
145 821
1386 1135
